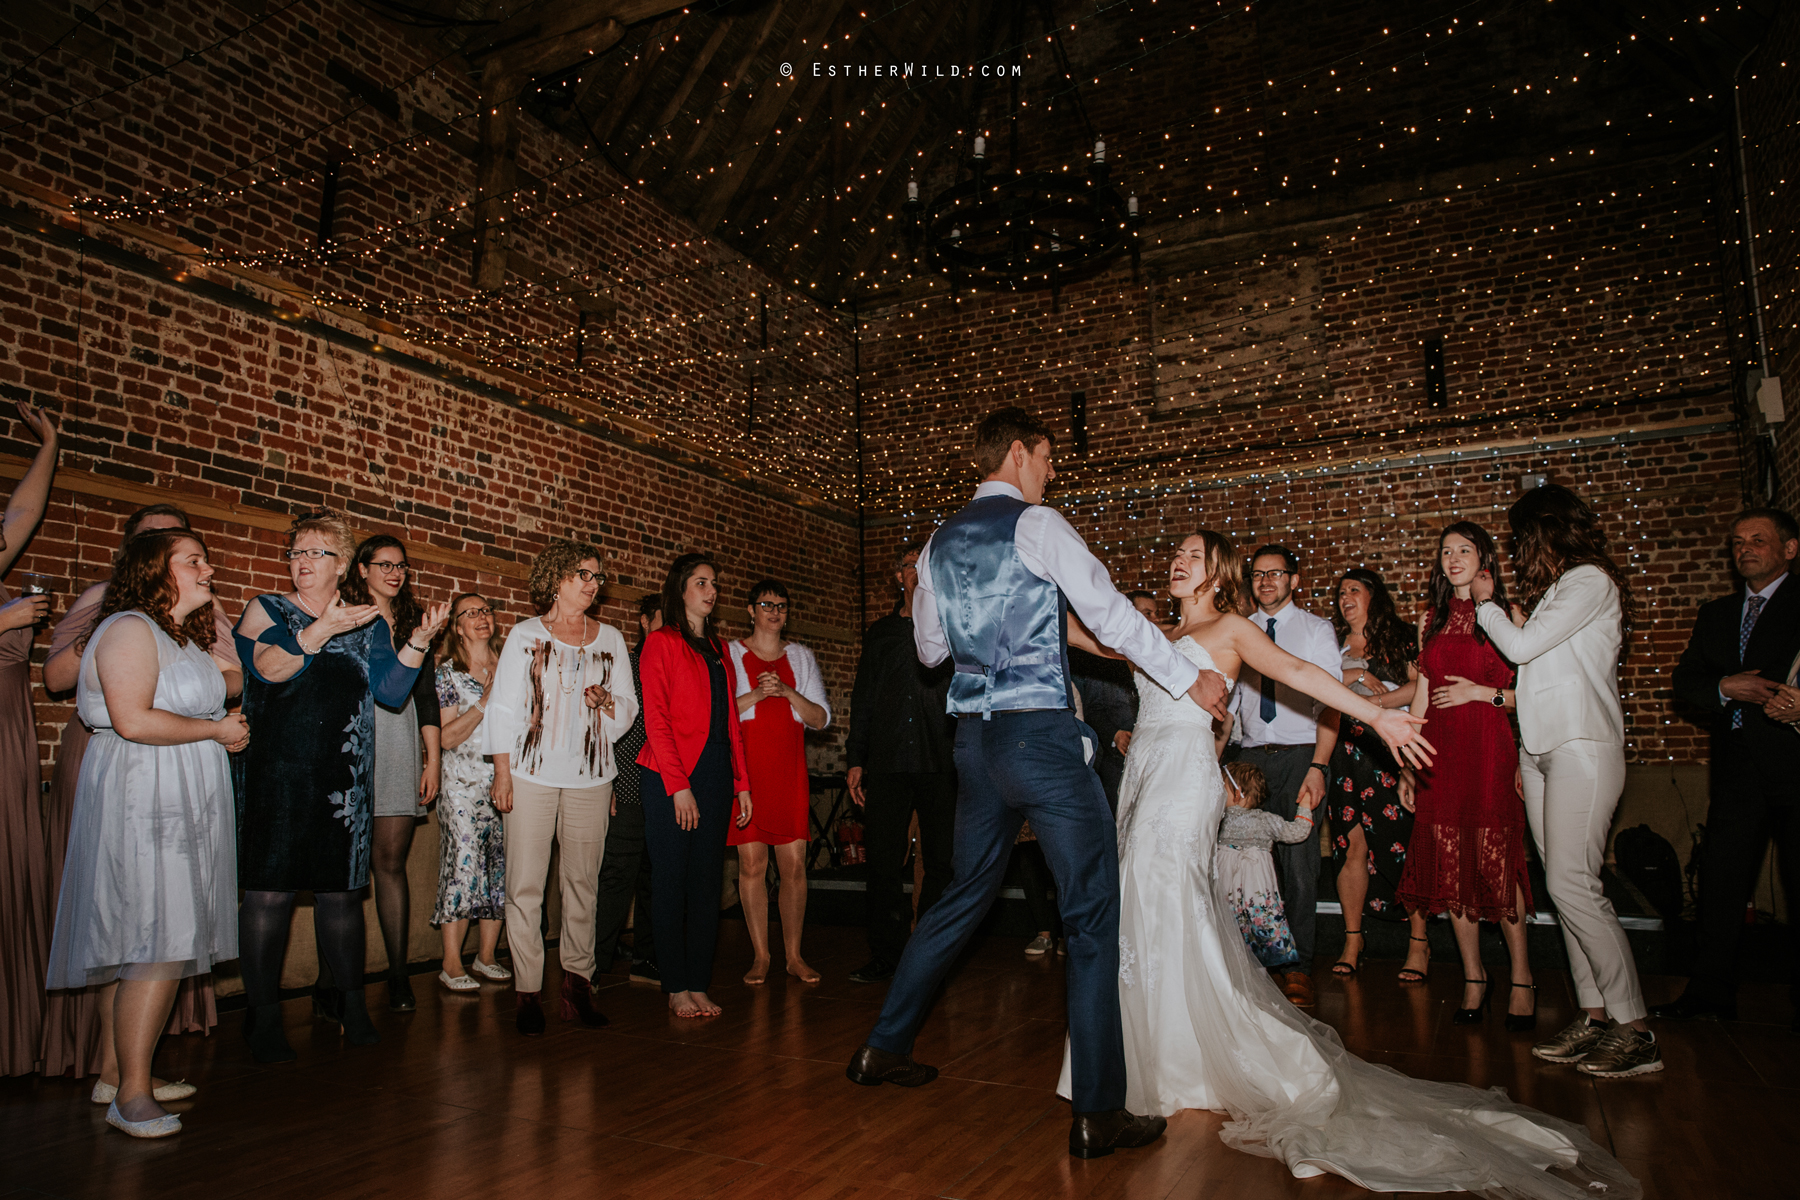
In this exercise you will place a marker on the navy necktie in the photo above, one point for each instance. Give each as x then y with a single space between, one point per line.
1752 610
1268 686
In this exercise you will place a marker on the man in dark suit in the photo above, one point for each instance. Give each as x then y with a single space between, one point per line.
1741 649
901 754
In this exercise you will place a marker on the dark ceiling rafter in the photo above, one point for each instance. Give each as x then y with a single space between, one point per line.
624 95
867 138
704 127
765 112
658 132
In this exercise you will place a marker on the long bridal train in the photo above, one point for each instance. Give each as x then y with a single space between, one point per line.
1206 1028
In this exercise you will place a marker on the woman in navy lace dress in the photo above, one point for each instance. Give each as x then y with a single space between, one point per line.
313 669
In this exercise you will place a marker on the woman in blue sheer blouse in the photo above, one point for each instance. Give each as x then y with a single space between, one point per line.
313 669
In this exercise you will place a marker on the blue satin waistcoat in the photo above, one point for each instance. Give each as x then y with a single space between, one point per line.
1004 624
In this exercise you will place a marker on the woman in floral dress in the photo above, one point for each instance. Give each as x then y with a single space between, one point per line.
472 871
1371 828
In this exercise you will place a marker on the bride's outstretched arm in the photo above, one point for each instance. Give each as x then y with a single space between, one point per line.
1082 638
1398 729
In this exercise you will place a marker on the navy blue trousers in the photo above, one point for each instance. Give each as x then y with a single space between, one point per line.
1013 766
687 871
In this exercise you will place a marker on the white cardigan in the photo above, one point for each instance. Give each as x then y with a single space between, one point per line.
807 679
1568 658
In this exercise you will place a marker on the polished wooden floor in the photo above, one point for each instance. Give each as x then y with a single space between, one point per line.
754 1105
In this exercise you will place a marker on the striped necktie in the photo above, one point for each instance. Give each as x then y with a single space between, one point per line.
1752 609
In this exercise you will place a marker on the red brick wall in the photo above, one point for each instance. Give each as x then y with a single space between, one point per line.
188 348
1770 98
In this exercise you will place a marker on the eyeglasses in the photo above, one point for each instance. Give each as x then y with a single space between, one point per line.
315 554
774 606
587 576
390 568
1259 576
475 612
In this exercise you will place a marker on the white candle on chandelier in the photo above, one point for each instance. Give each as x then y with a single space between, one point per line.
912 193
1099 152
1131 205
980 146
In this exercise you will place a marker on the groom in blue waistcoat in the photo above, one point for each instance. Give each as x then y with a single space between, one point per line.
996 583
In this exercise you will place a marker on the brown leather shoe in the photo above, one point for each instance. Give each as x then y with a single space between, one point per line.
1297 986
1095 1135
872 1068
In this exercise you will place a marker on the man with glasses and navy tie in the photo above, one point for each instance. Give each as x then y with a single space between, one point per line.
1291 737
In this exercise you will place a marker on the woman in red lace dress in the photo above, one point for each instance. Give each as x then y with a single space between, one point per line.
1468 845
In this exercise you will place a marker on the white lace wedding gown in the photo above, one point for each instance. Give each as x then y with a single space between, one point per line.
1205 1027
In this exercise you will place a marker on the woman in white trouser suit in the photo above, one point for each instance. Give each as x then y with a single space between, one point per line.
1573 765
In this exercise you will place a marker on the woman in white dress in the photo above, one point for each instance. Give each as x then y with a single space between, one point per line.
149 891
1203 1025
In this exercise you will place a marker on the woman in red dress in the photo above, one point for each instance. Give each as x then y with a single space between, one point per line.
780 695
1468 844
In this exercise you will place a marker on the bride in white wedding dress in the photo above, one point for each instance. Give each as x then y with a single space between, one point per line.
1204 1025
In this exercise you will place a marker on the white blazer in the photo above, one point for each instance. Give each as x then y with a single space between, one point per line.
807 679
1568 659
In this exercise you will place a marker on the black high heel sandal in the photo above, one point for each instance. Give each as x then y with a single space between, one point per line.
1524 1022
1472 1016
1348 967
1408 974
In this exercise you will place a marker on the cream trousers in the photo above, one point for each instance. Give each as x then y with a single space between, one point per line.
575 818
1570 795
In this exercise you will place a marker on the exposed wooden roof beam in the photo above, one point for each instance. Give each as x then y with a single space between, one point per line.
683 90
731 84
636 75
765 110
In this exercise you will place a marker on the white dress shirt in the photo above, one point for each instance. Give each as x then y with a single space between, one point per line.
1308 638
1568 659
1049 548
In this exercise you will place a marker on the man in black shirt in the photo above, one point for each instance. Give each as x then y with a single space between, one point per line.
624 867
1109 706
901 758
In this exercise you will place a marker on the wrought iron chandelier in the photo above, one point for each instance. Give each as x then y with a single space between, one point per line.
1022 230
1013 230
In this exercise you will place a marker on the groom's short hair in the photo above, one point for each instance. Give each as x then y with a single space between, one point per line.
1000 429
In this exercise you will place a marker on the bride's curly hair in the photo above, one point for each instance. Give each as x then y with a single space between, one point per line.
1224 569
142 581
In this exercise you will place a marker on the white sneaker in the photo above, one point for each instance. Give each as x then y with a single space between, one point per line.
181 1089
1038 946
462 983
493 971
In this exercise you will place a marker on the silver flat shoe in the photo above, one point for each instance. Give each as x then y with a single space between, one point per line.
160 1127
181 1089
460 983
493 971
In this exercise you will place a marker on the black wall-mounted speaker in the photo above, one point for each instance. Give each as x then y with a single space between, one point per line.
1435 391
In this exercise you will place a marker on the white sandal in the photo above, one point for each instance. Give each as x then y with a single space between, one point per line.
493 971
462 983
181 1089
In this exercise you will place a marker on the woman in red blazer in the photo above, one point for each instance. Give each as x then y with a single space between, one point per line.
691 765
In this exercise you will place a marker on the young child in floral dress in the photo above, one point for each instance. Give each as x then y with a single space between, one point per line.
1246 868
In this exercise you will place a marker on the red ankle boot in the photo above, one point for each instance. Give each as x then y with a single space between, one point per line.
578 1002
